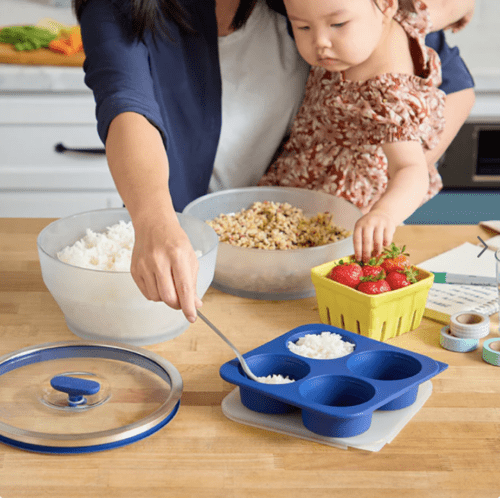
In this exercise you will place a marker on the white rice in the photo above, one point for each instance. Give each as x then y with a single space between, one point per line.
109 251
275 379
324 346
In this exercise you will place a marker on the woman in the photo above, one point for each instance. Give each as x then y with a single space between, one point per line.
159 113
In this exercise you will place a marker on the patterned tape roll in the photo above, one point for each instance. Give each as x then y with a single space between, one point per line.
456 344
491 351
469 325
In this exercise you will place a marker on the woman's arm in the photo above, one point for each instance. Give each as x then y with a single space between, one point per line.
408 183
457 109
458 84
137 121
164 265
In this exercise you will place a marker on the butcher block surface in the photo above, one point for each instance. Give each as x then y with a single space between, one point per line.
448 450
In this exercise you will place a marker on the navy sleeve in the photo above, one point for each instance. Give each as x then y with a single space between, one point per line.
116 67
455 74
175 83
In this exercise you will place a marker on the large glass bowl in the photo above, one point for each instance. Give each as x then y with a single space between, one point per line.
274 275
108 305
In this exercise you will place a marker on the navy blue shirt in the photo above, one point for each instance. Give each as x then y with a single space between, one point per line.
455 74
176 84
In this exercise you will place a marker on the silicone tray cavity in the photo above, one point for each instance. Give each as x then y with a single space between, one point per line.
336 397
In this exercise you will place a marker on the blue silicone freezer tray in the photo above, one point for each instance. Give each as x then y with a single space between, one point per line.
337 397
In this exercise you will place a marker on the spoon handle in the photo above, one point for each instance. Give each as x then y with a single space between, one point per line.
244 365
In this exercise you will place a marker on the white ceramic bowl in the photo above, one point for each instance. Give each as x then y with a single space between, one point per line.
107 305
273 275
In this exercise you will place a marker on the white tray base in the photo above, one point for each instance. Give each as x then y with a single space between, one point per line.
385 425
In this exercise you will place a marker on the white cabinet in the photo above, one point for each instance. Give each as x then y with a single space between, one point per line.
38 176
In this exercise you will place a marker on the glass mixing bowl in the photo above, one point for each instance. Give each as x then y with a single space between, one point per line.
269 274
108 305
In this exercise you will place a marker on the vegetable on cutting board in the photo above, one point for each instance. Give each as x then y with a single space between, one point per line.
26 37
55 27
47 33
68 43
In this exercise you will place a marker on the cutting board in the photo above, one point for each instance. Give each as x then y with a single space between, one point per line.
42 56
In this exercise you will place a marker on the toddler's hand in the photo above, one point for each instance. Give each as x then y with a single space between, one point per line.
372 233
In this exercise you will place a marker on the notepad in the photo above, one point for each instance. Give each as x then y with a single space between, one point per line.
445 300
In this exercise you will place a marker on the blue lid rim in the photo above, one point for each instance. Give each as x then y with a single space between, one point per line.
64 450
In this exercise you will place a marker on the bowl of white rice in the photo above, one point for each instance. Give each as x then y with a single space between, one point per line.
271 237
85 262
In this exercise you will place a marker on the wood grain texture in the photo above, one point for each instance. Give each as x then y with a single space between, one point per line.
449 450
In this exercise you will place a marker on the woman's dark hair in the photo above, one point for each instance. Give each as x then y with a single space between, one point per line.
278 6
150 15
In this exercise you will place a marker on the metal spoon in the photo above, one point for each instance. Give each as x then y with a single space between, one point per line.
244 365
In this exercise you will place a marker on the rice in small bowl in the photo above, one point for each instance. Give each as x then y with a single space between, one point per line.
103 302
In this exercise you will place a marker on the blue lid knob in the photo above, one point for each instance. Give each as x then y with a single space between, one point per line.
75 388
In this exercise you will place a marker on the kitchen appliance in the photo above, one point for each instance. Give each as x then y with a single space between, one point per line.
472 161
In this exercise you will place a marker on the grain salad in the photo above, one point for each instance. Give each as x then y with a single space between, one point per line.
276 226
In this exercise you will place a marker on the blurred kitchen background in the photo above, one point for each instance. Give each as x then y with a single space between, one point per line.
43 106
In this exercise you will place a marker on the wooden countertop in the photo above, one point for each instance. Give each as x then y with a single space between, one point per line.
448 450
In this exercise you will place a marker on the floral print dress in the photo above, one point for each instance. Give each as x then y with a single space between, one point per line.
335 142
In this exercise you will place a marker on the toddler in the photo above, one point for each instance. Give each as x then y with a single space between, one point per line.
371 109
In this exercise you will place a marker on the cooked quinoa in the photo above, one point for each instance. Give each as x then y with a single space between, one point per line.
275 225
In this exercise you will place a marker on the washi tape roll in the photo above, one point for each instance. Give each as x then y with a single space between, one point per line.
491 351
469 325
456 344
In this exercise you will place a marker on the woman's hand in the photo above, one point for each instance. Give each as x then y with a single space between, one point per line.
165 266
372 233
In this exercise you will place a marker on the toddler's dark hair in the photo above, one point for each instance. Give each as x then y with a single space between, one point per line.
405 5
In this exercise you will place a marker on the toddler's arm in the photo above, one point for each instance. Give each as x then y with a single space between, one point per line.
407 186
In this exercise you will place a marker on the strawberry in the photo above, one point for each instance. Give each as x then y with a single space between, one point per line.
374 285
347 273
402 278
373 267
394 258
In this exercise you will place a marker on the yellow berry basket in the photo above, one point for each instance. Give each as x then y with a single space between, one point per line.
380 316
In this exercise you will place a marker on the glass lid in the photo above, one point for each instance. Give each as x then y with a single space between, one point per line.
76 396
